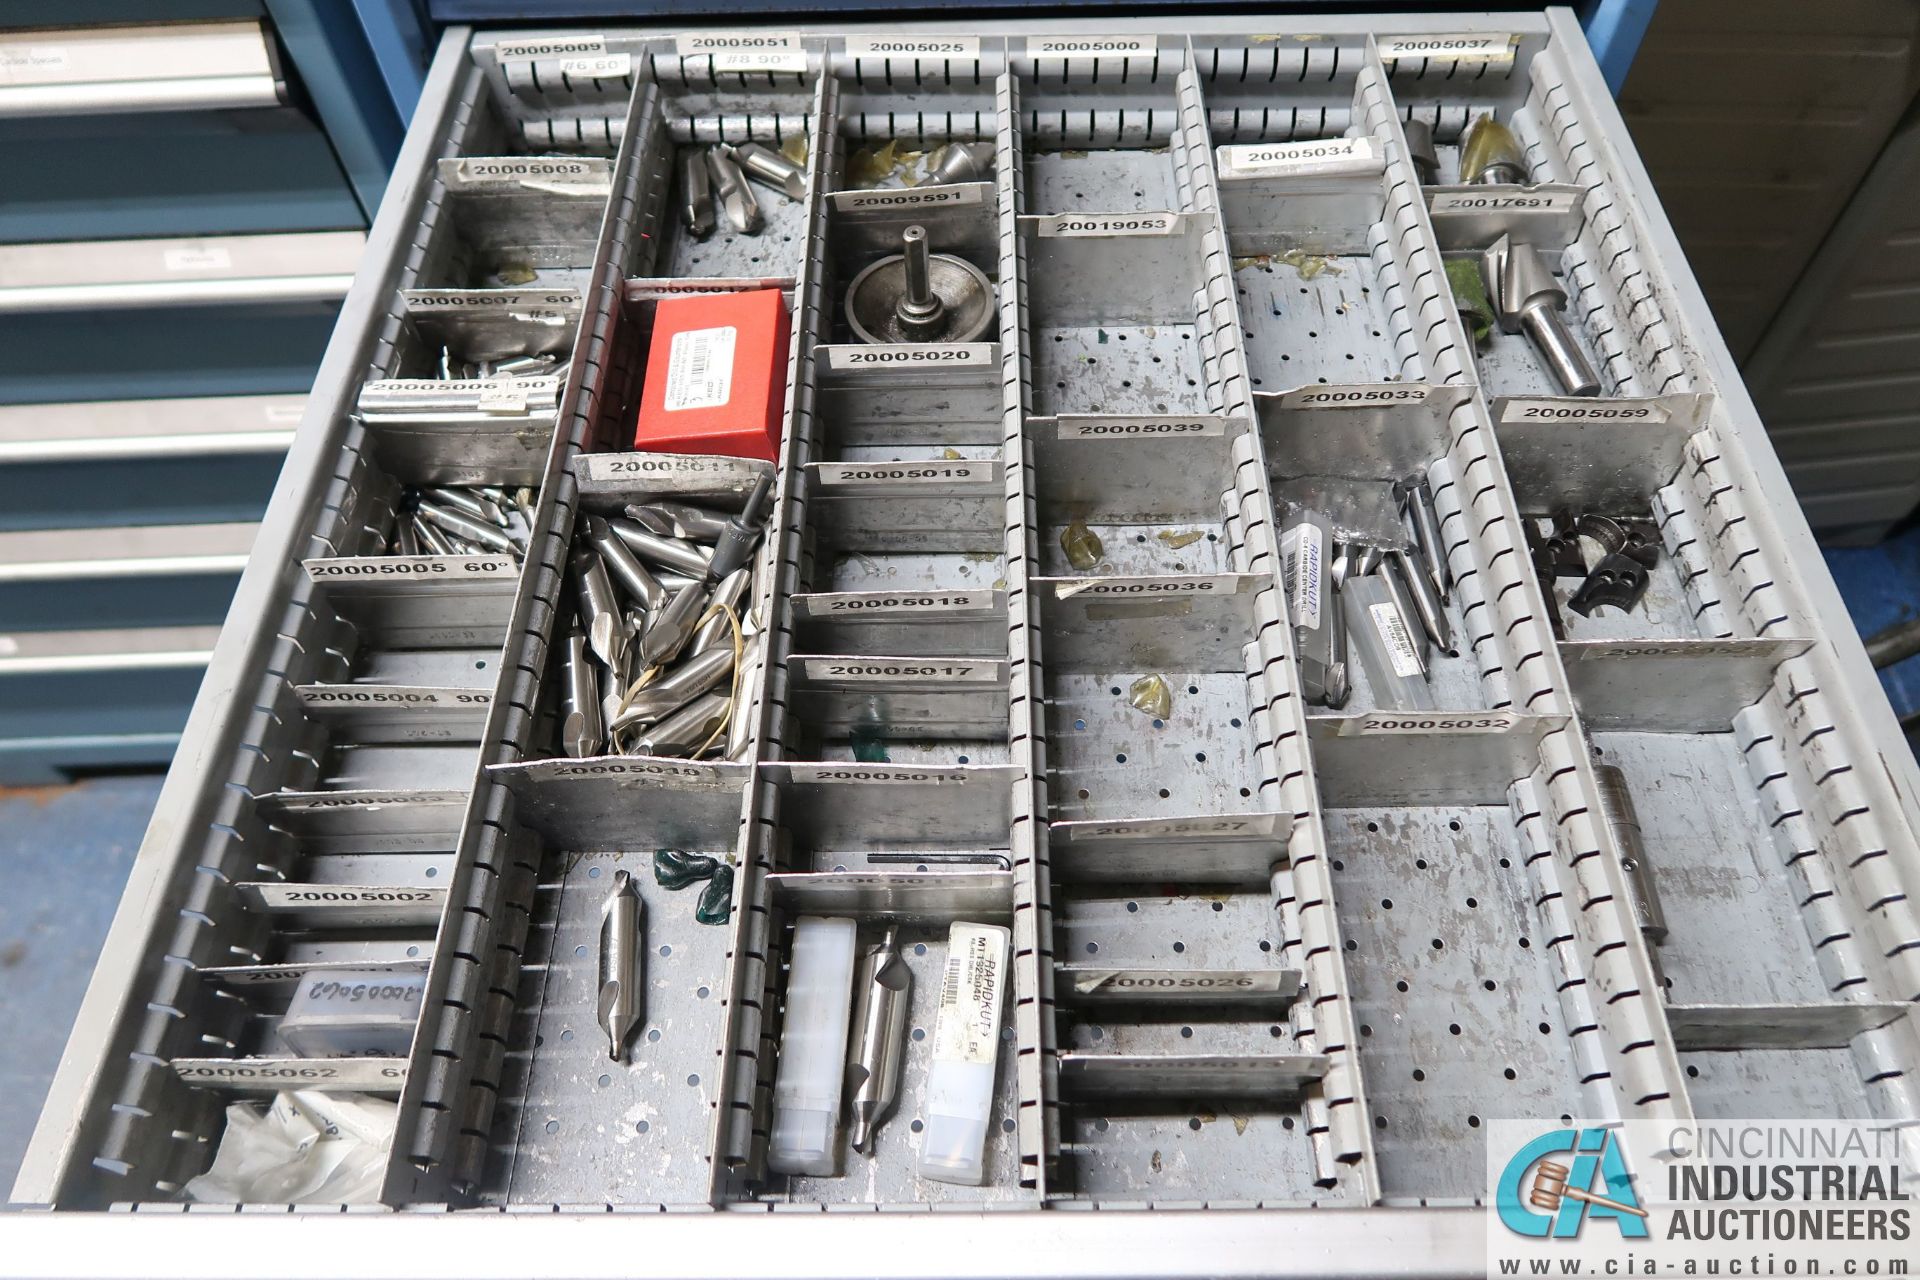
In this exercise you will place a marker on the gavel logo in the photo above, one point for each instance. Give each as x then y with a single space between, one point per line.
1550 1188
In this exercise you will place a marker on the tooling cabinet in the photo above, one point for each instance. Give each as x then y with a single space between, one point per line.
1405 925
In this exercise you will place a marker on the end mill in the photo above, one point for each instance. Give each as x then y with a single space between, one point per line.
882 993
620 964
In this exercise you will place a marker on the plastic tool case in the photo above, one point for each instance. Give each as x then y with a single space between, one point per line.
1404 924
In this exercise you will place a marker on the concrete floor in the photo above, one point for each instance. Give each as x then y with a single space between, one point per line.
64 854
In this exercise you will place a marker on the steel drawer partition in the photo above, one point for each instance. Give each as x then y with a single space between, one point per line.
78 1121
1621 1053
1828 816
1482 827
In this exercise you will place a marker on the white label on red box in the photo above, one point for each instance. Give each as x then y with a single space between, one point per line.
700 368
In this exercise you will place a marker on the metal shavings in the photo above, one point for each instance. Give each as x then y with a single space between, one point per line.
516 273
1082 545
1310 265
1253 260
952 454
1240 1123
795 148
1185 538
1152 695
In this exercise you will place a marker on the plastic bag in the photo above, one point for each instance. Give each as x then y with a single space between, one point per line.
302 1148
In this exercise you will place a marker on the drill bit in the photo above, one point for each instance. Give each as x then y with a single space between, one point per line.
581 730
620 964
606 629
735 196
1426 599
696 208
466 528
622 567
882 993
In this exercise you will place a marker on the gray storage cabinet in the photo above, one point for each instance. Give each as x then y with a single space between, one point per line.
1436 922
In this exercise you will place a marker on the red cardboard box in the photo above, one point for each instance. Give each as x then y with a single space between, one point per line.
716 376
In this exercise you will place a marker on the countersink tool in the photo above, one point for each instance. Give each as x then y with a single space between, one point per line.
962 162
696 194
620 964
1528 299
1490 154
600 610
735 196
742 532
622 566
882 993
917 295
581 730
769 168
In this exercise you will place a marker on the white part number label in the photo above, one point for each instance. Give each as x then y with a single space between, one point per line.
958 195
1068 225
1574 411
873 773
947 355
967 1028
913 47
1303 548
1092 46
1488 46
1316 156
865 473
1358 397
745 50
1550 200
1146 588
552 47
864 604
1377 722
882 670
608 66
700 368
1397 640
1093 427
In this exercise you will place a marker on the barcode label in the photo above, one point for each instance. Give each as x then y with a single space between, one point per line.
700 368
582 46
1398 641
1304 549
967 1027
913 47
1070 225
1483 47
1092 46
745 50
1318 157
957 194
